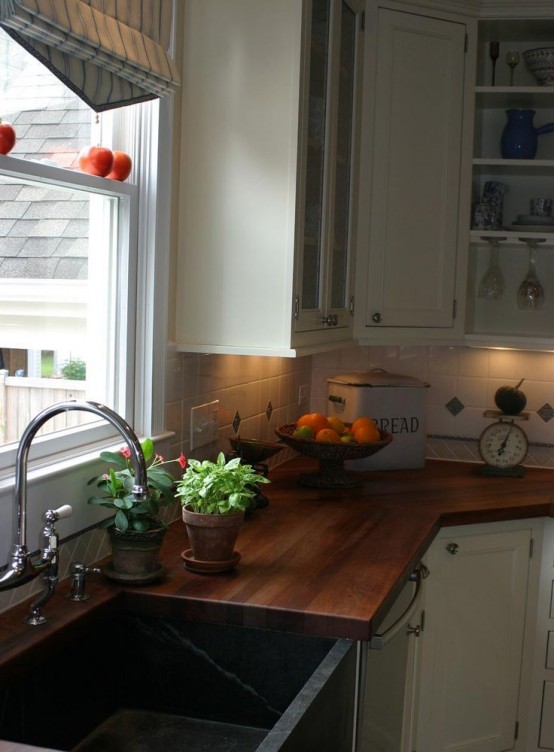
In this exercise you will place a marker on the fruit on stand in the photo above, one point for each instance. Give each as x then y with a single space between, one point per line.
510 399
303 432
121 167
347 438
315 421
7 137
332 430
336 424
328 435
96 160
365 431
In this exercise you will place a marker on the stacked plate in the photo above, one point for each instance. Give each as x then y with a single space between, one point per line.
533 223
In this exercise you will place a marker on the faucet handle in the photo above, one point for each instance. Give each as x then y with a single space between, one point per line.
57 514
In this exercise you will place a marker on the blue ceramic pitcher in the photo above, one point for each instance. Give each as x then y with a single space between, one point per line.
520 137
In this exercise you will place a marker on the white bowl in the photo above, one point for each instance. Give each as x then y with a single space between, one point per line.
540 62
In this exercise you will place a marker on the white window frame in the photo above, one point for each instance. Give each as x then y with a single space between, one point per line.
143 258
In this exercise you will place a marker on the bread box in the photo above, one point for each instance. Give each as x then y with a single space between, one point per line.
395 402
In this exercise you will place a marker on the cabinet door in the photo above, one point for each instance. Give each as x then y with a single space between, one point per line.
472 645
416 171
327 143
387 702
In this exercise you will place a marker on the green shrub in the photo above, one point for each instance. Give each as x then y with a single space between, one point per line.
75 369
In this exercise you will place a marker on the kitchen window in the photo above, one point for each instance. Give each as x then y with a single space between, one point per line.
80 266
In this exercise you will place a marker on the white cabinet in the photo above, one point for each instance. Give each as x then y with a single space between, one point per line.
268 145
389 678
500 321
460 678
413 134
472 646
540 734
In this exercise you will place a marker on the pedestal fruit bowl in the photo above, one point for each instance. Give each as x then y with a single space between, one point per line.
331 456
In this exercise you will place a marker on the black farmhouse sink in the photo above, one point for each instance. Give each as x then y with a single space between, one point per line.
149 683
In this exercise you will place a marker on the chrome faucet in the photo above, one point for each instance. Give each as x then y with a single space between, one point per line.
50 560
21 569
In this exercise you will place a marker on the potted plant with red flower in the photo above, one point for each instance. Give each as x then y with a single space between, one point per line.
136 529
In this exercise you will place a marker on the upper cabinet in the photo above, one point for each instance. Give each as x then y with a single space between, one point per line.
268 142
411 255
513 164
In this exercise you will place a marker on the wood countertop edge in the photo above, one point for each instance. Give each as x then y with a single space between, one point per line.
182 594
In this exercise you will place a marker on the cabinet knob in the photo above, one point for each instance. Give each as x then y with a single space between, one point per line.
452 548
416 631
376 318
331 320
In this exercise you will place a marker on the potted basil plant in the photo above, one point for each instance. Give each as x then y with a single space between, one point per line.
214 497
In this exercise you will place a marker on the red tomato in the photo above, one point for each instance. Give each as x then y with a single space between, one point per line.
122 165
96 160
7 137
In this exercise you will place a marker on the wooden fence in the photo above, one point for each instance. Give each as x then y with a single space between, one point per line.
21 398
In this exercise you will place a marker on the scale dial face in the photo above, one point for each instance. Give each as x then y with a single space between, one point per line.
503 444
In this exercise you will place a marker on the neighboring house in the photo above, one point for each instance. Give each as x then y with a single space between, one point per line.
43 232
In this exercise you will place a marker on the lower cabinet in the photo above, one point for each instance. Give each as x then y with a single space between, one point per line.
463 683
540 731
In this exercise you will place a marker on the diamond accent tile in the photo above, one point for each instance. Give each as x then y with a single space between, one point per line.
455 406
237 421
546 412
269 410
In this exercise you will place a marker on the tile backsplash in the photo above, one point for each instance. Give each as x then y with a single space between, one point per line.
264 392
462 382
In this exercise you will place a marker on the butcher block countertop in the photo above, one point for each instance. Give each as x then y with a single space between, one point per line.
319 562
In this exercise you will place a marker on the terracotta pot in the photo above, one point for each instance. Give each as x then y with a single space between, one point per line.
212 537
136 554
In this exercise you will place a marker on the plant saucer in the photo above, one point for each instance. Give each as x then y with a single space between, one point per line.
208 567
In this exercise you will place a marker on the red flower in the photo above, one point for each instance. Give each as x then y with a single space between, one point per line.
125 452
182 461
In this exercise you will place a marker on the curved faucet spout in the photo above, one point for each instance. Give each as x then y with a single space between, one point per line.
21 569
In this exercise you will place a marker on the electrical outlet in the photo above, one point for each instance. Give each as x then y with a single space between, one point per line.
302 394
203 424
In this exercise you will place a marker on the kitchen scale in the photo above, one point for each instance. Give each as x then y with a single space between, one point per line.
503 446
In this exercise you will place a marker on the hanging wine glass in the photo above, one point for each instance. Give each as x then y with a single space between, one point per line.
494 53
512 58
530 296
491 286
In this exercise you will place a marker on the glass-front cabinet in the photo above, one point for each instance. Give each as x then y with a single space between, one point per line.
324 262
268 139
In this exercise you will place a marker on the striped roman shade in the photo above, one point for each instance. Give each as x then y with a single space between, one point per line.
111 53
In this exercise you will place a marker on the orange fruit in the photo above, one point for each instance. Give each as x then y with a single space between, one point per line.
367 434
361 423
336 424
327 435
315 421
303 432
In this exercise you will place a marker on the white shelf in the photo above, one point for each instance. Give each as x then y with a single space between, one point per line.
485 165
513 236
514 96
